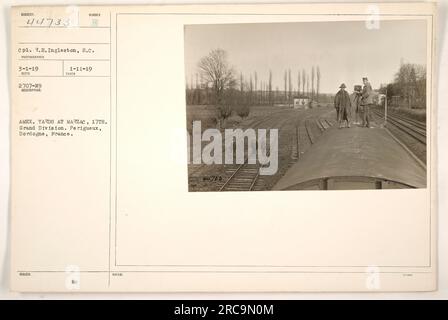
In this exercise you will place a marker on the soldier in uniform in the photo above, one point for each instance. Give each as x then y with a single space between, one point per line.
366 102
343 106
355 99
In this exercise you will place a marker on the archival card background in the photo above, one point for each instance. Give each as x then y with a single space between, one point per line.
116 204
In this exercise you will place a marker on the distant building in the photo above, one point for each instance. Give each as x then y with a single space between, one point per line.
301 102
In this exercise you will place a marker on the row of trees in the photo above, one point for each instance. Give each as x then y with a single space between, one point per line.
218 83
409 87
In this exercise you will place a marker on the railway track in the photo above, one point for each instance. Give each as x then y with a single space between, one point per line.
410 127
246 177
415 123
305 137
242 178
309 131
411 134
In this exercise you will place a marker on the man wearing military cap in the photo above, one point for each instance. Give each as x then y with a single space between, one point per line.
343 106
366 102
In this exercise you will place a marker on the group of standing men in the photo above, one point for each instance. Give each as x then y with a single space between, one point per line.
358 102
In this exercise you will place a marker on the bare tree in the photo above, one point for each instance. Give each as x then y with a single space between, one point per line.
265 92
410 85
286 81
303 80
290 86
312 83
256 86
204 85
270 87
277 93
298 83
251 90
217 71
318 83
308 84
197 93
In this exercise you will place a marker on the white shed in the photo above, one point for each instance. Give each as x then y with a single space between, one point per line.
301 102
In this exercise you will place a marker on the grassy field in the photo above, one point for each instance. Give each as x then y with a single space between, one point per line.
208 116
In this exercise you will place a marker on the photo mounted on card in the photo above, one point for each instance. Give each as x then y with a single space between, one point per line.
135 129
337 105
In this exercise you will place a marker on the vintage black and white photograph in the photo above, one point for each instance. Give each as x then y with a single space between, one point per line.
327 105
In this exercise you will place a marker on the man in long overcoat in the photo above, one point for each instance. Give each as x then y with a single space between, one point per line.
342 104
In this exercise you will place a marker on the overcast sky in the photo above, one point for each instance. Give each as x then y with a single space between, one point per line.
344 51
